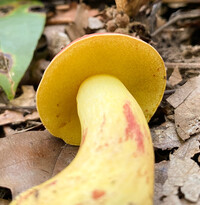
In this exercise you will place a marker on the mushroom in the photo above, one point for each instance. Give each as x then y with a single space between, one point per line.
117 81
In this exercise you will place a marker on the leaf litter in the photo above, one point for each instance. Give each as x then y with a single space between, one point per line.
35 157
176 135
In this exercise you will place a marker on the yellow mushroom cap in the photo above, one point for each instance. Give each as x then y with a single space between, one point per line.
137 64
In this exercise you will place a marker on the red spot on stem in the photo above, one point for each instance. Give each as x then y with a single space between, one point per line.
51 184
133 128
96 194
26 196
103 123
84 135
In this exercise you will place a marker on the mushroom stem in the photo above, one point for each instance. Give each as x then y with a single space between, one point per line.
115 132
115 163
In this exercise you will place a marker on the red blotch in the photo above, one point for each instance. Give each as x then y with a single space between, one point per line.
96 194
26 195
133 128
84 135
103 123
99 148
120 140
51 184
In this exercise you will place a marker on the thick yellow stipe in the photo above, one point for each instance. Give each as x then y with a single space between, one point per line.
115 163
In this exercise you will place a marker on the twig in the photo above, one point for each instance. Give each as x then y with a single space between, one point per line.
178 16
183 65
38 124
181 1
12 107
168 92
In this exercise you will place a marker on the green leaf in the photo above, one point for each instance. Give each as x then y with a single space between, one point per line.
20 30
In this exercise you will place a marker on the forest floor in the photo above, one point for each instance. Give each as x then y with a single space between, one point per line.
31 155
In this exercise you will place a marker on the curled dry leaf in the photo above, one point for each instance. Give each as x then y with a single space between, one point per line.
186 100
14 117
165 136
78 27
183 176
56 38
26 99
30 158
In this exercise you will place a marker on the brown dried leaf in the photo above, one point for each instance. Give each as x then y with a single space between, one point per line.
183 176
186 101
161 169
171 200
77 29
175 77
161 172
10 117
191 187
14 117
30 158
26 99
56 38
4 202
165 136
63 16
95 23
65 157
182 93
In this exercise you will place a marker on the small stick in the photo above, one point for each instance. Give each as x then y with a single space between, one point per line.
178 16
181 1
11 107
183 65
168 92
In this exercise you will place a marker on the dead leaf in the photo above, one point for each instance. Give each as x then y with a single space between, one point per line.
161 169
183 175
4 202
186 100
37 69
63 17
14 117
175 77
183 92
161 172
56 38
8 130
94 23
165 136
10 117
171 200
157 193
77 29
65 157
29 159
26 99
191 188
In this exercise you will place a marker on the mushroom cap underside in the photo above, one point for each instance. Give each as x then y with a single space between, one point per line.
137 64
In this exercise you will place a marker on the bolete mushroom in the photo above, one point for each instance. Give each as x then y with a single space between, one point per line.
112 76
